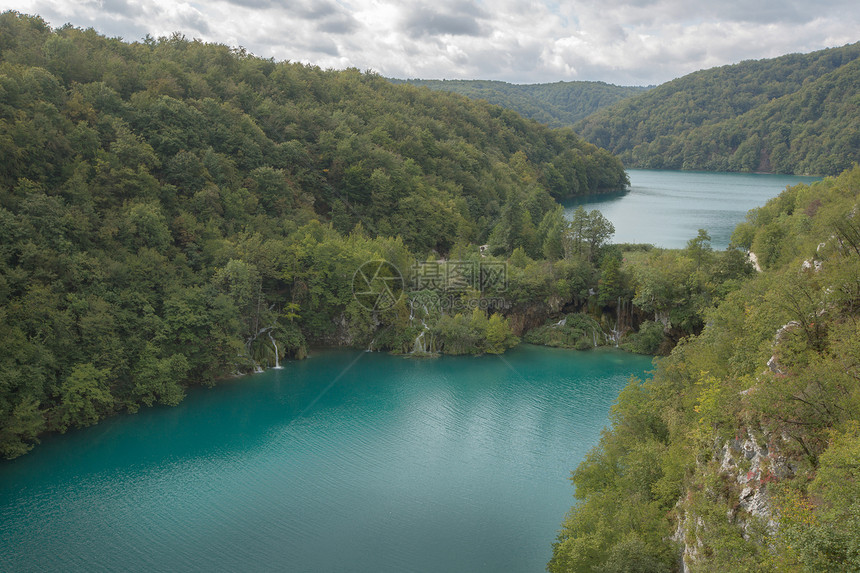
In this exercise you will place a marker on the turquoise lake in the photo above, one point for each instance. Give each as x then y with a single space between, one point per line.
667 208
346 461
354 461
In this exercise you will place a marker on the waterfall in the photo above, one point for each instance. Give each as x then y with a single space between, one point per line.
277 362
420 345
616 334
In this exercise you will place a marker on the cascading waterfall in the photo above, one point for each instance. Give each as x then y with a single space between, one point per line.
277 361
420 345
616 332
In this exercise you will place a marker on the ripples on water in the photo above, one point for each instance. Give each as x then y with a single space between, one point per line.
453 464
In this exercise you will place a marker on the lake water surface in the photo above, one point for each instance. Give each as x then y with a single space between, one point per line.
347 461
353 461
667 208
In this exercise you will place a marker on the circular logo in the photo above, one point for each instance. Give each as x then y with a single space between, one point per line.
377 285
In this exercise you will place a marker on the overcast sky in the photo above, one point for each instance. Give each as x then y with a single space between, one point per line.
628 42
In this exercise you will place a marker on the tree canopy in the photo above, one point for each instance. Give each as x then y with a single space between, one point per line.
173 212
792 114
558 104
740 453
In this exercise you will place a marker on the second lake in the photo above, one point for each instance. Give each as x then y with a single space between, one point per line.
667 208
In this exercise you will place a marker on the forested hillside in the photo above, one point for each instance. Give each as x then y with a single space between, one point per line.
558 104
793 114
741 453
172 212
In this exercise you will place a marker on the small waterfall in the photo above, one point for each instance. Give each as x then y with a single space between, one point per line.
420 346
616 333
277 361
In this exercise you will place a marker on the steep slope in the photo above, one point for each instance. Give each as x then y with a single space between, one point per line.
740 454
793 114
556 104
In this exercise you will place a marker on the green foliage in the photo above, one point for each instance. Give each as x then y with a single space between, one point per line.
474 333
20 427
777 356
174 212
159 379
792 114
647 340
83 397
619 522
575 330
587 234
611 287
820 528
558 104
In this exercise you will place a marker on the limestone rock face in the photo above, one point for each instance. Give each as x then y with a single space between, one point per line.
751 460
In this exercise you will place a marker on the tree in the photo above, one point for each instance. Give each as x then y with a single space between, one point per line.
587 234
19 427
551 233
83 396
499 335
611 287
158 379
598 233
699 249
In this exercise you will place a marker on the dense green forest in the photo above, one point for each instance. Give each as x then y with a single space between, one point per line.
172 212
741 452
793 114
559 104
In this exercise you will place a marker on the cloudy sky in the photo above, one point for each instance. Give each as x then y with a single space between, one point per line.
629 42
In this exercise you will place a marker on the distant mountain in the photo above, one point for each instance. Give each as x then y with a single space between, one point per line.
793 114
557 104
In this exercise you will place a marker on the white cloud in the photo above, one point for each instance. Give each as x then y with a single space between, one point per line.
619 41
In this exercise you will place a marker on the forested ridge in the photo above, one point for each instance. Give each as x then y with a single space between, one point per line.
558 104
793 114
740 453
172 212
